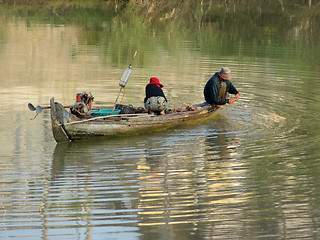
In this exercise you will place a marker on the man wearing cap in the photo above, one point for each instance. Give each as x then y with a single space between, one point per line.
217 88
155 101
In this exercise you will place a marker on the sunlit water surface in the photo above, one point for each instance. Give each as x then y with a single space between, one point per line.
252 172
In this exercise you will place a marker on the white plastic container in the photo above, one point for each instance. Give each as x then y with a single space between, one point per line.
125 77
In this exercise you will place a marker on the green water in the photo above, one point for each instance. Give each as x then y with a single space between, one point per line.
252 172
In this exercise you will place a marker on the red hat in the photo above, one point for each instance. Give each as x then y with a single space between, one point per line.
156 81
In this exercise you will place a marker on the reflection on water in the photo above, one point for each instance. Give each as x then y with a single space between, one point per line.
251 172
197 181
144 181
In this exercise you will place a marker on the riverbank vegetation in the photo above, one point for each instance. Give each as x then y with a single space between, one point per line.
179 9
183 12
245 24
186 13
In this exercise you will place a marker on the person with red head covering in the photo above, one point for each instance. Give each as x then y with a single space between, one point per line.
217 88
155 101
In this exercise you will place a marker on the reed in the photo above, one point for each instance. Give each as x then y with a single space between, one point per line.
191 14
197 12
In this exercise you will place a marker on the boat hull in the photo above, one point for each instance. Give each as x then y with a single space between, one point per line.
66 127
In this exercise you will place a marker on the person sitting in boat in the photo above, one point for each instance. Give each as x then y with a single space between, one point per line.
155 101
217 88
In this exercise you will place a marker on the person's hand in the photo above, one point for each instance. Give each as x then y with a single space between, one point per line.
231 100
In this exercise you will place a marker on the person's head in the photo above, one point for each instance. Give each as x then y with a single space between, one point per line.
225 73
156 81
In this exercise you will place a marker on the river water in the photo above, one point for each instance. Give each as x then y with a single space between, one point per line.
252 172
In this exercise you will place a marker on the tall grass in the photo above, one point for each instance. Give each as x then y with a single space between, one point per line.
193 14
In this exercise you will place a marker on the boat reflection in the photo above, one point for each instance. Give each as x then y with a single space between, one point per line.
145 181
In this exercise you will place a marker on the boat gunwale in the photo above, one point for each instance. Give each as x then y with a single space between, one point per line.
119 117
75 128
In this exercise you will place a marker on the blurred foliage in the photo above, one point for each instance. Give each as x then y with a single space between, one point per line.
287 28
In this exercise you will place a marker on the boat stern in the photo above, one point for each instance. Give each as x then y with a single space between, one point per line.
57 122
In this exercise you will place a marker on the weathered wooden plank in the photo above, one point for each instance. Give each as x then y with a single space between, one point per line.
67 127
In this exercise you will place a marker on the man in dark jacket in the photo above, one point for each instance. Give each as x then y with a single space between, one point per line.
217 88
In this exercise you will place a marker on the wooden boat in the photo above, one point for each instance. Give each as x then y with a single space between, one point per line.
67 127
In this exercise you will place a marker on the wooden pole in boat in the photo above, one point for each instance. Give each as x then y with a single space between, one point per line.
109 116
124 79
